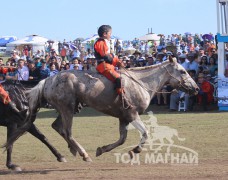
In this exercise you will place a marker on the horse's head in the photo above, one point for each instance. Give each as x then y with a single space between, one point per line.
180 79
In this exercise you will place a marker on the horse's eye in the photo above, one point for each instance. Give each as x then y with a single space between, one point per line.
182 72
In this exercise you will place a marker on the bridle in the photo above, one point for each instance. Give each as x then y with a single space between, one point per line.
180 85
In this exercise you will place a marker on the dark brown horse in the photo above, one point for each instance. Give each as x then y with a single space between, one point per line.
12 121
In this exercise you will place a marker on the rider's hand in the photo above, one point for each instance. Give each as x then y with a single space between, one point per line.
120 64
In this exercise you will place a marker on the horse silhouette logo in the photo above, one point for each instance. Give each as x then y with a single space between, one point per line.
159 136
157 146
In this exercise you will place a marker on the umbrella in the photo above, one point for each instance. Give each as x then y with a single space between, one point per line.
50 41
115 37
91 38
209 37
70 46
79 39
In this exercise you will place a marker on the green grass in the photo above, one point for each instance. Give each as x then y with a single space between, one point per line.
206 133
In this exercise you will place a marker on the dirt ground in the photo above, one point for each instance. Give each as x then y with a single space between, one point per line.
58 171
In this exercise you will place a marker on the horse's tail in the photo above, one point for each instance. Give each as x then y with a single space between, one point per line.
34 96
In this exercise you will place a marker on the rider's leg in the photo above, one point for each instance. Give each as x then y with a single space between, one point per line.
120 91
113 76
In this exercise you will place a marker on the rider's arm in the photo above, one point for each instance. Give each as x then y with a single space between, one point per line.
102 48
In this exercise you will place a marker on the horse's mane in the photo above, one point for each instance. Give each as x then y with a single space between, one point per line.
17 92
148 67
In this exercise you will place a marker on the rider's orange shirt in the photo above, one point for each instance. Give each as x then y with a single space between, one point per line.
107 66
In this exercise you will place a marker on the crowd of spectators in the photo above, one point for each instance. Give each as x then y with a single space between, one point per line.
198 56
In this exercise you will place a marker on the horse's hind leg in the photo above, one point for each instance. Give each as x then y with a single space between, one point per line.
36 133
14 167
57 125
63 125
123 135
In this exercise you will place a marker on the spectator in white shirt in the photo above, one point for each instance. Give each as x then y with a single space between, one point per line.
53 70
192 64
15 56
142 47
76 53
23 56
75 62
183 61
22 71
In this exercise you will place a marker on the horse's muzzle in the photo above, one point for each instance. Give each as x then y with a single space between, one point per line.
196 91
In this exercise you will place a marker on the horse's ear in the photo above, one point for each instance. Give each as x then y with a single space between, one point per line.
170 59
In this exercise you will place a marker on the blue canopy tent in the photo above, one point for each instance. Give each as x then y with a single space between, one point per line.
6 39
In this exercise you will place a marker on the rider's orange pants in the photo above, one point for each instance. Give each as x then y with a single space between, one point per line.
108 70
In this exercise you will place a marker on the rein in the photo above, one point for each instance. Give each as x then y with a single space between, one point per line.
149 90
180 82
136 80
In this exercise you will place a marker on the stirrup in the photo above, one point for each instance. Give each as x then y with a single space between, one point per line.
120 91
125 102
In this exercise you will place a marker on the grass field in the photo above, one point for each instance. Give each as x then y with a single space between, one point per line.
206 133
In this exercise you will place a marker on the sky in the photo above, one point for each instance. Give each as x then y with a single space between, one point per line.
71 19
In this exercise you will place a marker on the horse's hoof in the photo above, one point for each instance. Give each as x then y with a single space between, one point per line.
15 168
62 159
131 154
99 151
87 159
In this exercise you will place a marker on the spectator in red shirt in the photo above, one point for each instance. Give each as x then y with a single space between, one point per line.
205 95
63 53
26 51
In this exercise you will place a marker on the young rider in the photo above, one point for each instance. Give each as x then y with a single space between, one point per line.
106 61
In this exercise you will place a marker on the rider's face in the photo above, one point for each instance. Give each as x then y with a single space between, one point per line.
108 34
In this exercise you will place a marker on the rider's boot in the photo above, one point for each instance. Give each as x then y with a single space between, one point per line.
126 104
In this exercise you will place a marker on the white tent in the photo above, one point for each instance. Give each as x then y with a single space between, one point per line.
150 37
94 37
129 50
35 41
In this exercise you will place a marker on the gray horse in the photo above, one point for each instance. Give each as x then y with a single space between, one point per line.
67 90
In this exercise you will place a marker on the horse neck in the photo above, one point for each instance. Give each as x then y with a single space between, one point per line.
153 77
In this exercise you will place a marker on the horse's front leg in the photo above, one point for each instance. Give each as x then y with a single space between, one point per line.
36 133
123 135
138 124
9 164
